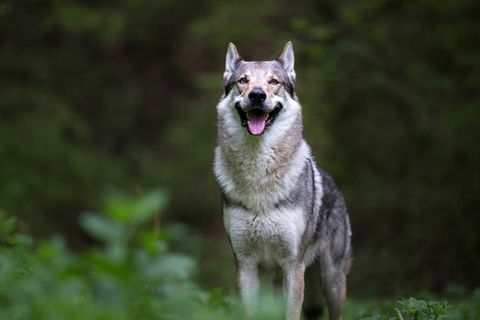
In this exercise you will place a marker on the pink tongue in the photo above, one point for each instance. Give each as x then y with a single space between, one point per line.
256 122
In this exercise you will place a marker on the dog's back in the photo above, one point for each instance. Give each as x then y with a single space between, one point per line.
279 209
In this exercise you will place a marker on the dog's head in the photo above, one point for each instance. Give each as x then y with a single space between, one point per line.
259 88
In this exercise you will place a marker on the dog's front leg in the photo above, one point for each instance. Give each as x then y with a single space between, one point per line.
248 284
293 283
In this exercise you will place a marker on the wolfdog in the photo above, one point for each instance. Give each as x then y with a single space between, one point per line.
279 209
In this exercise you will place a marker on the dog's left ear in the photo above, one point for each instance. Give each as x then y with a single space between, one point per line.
287 59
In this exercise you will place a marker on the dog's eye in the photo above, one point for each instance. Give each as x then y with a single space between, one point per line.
243 80
273 81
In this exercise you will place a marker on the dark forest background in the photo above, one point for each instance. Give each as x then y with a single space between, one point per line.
104 96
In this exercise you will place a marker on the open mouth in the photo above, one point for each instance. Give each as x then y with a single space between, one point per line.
257 120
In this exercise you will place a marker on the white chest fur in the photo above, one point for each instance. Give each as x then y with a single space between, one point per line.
257 181
270 237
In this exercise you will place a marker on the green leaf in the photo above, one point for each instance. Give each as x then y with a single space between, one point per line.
103 228
172 266
399 314
135 210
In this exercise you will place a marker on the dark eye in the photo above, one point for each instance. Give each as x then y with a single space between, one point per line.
273 81
243 80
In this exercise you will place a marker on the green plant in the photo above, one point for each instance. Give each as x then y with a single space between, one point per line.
419 309
130 274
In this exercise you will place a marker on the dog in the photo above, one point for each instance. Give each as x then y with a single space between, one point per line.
279 209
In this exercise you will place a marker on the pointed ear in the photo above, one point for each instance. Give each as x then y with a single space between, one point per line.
231 61
287 59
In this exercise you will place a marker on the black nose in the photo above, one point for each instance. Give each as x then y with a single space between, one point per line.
257 96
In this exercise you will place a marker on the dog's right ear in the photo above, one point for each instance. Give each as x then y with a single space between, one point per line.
231 62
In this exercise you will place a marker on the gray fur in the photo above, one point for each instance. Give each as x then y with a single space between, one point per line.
279 208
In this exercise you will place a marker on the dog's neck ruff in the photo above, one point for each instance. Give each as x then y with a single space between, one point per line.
259 171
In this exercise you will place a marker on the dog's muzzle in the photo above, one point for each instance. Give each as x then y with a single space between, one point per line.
257 119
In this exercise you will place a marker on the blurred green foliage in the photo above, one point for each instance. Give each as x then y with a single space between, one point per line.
99 96
133 273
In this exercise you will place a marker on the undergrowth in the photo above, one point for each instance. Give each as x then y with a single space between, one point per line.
419 309
133 274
